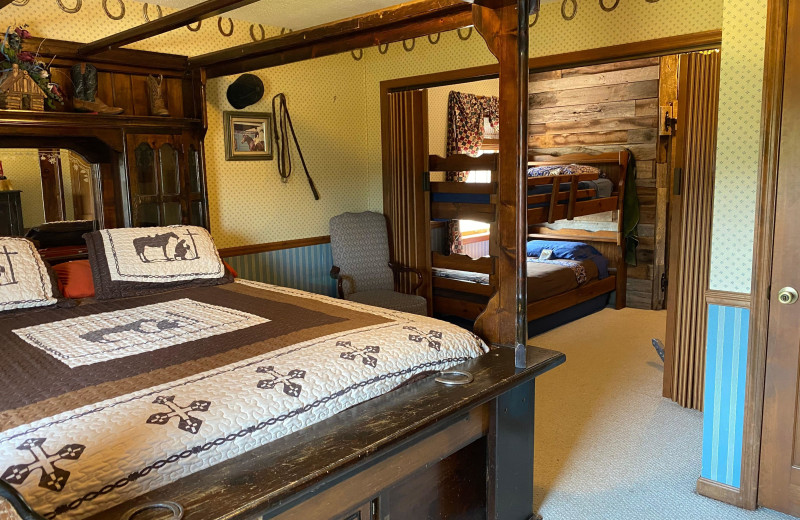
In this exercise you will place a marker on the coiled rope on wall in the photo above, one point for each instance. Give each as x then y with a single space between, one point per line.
609 8
121 14
564 14
253 34
146 8
221 31
73 10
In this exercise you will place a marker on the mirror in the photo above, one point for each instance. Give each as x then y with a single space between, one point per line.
54 185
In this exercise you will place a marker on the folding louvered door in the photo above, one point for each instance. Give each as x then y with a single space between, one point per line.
690 229
405 201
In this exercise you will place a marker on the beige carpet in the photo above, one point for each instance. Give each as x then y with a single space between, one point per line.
608 446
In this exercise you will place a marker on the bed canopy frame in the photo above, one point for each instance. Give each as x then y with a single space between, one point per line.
336 467
503 24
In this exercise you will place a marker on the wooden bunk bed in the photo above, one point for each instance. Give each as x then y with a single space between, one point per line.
416 446
462 285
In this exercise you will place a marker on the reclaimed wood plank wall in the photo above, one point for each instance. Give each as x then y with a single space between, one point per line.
603 108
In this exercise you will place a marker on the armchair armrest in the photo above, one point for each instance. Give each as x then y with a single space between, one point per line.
335 274
397 268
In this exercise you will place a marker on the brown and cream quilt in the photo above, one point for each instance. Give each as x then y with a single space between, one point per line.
107 400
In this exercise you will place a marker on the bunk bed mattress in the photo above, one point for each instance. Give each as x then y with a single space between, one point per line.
108 400
545 279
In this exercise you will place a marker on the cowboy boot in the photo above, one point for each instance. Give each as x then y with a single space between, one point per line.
89 102
156 96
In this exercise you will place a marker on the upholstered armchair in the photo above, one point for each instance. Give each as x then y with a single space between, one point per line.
364 274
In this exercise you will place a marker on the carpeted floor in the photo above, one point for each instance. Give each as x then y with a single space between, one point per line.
608 446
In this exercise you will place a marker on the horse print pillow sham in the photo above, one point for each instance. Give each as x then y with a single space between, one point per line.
24 278
138 261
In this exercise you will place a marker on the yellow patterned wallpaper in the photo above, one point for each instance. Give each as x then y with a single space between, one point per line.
591 28
335 101
741 77
248 202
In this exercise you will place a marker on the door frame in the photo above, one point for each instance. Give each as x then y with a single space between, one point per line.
659 47
771 115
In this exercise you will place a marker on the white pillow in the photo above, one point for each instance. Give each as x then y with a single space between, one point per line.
24 278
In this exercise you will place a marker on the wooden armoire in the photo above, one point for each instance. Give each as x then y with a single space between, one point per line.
146 170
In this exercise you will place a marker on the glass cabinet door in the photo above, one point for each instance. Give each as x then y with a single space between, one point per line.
169 172
167 182
145 169
196 197
155 180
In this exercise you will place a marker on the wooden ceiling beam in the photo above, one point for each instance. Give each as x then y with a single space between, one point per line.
4 3
65 54
533 5
207 9
405 21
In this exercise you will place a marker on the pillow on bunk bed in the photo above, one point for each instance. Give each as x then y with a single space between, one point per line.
566 169
138 261
570 251
544 171
581 169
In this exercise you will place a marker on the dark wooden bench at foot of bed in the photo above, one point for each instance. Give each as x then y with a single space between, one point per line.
423 451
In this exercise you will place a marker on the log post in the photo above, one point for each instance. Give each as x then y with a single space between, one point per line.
504 27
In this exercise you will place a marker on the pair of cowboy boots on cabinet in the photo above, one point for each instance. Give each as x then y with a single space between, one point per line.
84 99
84 80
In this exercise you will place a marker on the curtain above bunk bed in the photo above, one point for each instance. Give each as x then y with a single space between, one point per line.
465 124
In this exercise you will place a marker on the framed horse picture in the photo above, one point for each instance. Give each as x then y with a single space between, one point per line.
248 136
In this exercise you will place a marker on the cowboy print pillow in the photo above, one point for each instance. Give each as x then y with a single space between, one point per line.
24 278
138 261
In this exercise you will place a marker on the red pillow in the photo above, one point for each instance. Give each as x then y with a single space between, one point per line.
75 279
233 272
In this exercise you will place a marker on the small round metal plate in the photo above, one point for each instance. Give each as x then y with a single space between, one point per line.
454 377
175 509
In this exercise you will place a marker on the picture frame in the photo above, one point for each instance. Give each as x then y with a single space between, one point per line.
248 136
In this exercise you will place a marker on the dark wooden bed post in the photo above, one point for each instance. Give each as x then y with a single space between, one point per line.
504 26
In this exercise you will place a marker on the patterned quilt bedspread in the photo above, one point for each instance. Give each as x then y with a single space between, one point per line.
106 401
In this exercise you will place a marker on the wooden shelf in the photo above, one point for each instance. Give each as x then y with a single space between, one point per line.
56 119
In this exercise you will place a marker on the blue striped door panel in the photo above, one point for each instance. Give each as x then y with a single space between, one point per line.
723 420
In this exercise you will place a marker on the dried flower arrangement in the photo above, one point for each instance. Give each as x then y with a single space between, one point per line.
39 72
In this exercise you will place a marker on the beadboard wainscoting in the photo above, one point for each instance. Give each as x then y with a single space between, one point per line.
476 248
306 268
725 376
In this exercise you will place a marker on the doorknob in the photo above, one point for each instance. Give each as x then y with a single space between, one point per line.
787 295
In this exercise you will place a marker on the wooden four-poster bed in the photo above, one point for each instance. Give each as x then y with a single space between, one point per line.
425 449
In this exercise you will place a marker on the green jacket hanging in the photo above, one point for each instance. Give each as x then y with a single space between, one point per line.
630 208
